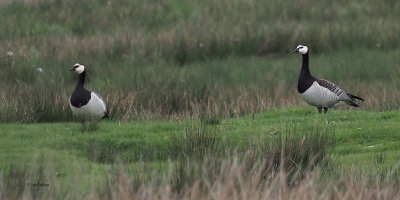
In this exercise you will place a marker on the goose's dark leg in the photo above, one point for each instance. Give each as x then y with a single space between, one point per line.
83 126
319 110
325 109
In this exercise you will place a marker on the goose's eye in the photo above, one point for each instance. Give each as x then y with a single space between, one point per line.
300 47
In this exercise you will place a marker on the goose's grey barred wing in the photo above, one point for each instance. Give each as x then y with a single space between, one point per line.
343 96
330 86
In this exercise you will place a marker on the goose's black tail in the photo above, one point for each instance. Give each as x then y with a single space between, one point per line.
352 103
353 100
355 97
106 114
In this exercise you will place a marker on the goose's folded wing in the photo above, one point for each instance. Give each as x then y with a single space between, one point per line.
102 101
343 96
330 86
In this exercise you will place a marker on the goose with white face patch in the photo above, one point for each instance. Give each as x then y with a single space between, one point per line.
319 92
86 105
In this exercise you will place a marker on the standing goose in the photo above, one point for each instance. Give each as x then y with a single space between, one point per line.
319 92
86 105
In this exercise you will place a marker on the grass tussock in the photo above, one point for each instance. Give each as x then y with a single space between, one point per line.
236 182
236 179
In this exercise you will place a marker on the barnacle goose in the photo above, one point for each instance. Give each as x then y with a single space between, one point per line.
319 92
86 105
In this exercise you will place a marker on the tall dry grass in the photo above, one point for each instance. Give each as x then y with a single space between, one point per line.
235 180
176 59
197 157
27 104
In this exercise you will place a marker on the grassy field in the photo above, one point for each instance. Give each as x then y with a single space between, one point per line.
194 90
358 133
362 142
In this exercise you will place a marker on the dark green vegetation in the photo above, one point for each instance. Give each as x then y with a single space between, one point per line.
195 88
179 59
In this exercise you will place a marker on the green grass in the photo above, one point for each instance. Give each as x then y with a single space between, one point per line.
360 135
354 131
366 144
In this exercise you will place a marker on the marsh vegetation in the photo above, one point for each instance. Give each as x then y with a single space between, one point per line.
202 98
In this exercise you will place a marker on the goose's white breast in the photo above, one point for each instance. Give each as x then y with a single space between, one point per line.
94 109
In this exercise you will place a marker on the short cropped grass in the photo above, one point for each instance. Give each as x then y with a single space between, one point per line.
361 134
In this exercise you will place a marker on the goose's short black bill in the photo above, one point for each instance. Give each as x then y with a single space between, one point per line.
72 69
296 50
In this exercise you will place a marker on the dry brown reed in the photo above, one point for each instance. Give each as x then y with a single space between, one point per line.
26 106
237 181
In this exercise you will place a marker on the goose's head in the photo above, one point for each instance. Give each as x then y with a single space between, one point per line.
301 49
78 68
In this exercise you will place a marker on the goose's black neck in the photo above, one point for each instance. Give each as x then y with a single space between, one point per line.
80 96
305 78
81 80
304 68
